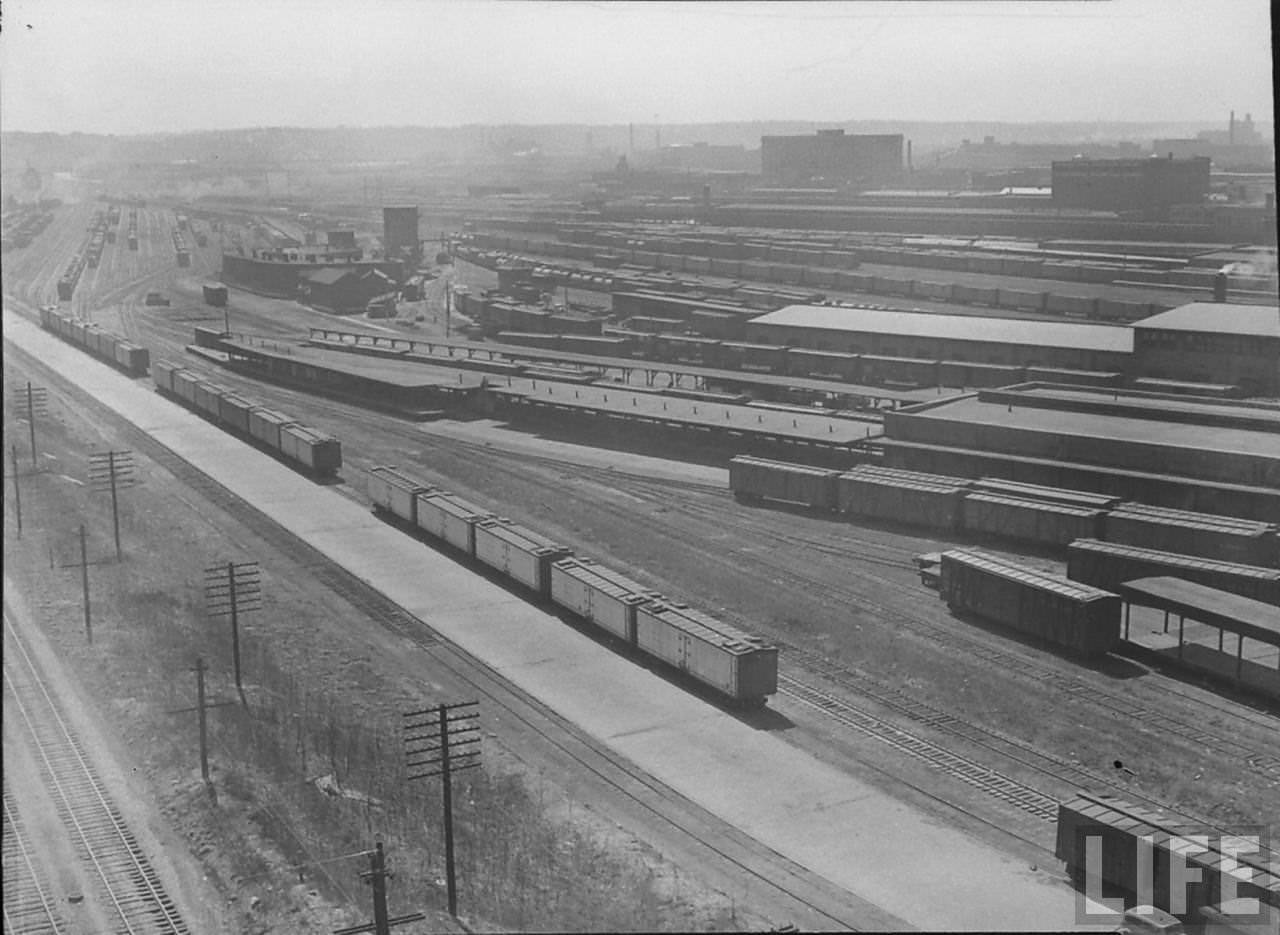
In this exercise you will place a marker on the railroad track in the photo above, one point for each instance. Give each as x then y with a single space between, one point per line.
129 890
29 909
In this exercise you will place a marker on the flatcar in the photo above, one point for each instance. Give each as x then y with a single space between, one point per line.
1066 613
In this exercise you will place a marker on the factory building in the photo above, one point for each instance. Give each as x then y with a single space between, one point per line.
400 232
971 338
343 289
1212 342
832 158
1150 186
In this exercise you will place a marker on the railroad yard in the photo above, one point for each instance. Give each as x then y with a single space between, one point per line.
968 722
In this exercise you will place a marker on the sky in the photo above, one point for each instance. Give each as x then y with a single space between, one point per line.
143 66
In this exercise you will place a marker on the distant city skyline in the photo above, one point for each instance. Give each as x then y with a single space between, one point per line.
147 66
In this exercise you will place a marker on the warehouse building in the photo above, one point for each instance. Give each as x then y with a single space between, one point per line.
833 158
344 289
973 338
1212 342
1150 186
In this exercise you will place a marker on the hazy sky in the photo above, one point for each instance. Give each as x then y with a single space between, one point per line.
128 66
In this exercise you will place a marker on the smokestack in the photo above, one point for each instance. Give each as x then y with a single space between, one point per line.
706 196
1231 129
1220 285
909 169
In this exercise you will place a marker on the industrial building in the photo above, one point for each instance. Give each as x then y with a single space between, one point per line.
1024 342
400 239
344 289
1212 342
832 158
1149 186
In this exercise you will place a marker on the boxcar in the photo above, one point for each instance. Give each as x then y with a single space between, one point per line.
162 372
518 552
823 365
1107 564
765 358
450 518
1060 611
319 453
395 493
207 398
1029 520
1118 827
901 501
265 425
742 667
234 411
598 595
131 358
1077 498
752 478
105 346
1189 533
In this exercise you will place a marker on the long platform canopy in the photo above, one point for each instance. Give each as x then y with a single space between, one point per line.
1231 612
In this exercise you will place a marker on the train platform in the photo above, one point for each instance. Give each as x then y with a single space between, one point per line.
902 867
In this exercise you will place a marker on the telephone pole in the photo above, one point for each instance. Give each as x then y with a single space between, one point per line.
376 876
83 565
441 741
28 402
202 706
230 589
112 470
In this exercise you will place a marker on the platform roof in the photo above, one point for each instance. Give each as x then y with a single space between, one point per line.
1230 612
1218 318
1020 331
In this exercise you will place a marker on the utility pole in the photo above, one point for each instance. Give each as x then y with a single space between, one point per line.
110 471
442 751
28 402
376 876
17 492
230 589
202 706
83 565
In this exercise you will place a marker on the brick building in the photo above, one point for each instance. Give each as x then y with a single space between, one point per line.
1150 186
1212 342
832 158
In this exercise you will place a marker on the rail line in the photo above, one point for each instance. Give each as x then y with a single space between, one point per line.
28 907
127 885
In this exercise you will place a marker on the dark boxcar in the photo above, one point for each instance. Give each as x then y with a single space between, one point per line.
215 295
900 501
1107 564
518 552
1202 534
395 493
450 518
321 454
598 595
752 478
1029 520
1060 611
765 358
742 667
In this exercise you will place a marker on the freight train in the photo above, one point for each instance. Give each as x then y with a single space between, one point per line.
737 666
992 506
111 348
315 452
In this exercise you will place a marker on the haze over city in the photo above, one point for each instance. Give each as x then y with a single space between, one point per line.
146 66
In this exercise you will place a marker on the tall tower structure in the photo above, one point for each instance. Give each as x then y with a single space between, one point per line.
400 232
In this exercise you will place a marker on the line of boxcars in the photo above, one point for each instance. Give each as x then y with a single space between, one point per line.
315 452
992 506
120 352
740 667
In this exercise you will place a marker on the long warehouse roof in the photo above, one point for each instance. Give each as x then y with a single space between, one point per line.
955 327
1261 321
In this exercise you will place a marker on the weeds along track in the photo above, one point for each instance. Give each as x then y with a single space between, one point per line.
129 891
705 833
29 909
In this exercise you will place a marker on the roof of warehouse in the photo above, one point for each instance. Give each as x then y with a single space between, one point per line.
1218 318
955 327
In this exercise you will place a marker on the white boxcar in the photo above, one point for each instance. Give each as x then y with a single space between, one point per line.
184 386
234 410
208 397
265 426
162 372
740 666
395 493
319 453
518 552
599 595
450 518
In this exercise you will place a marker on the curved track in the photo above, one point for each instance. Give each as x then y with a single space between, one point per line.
128 888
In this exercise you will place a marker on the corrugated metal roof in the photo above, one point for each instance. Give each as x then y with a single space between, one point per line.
1218 318
1111 338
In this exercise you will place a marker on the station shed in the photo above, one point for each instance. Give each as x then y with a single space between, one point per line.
1222 610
